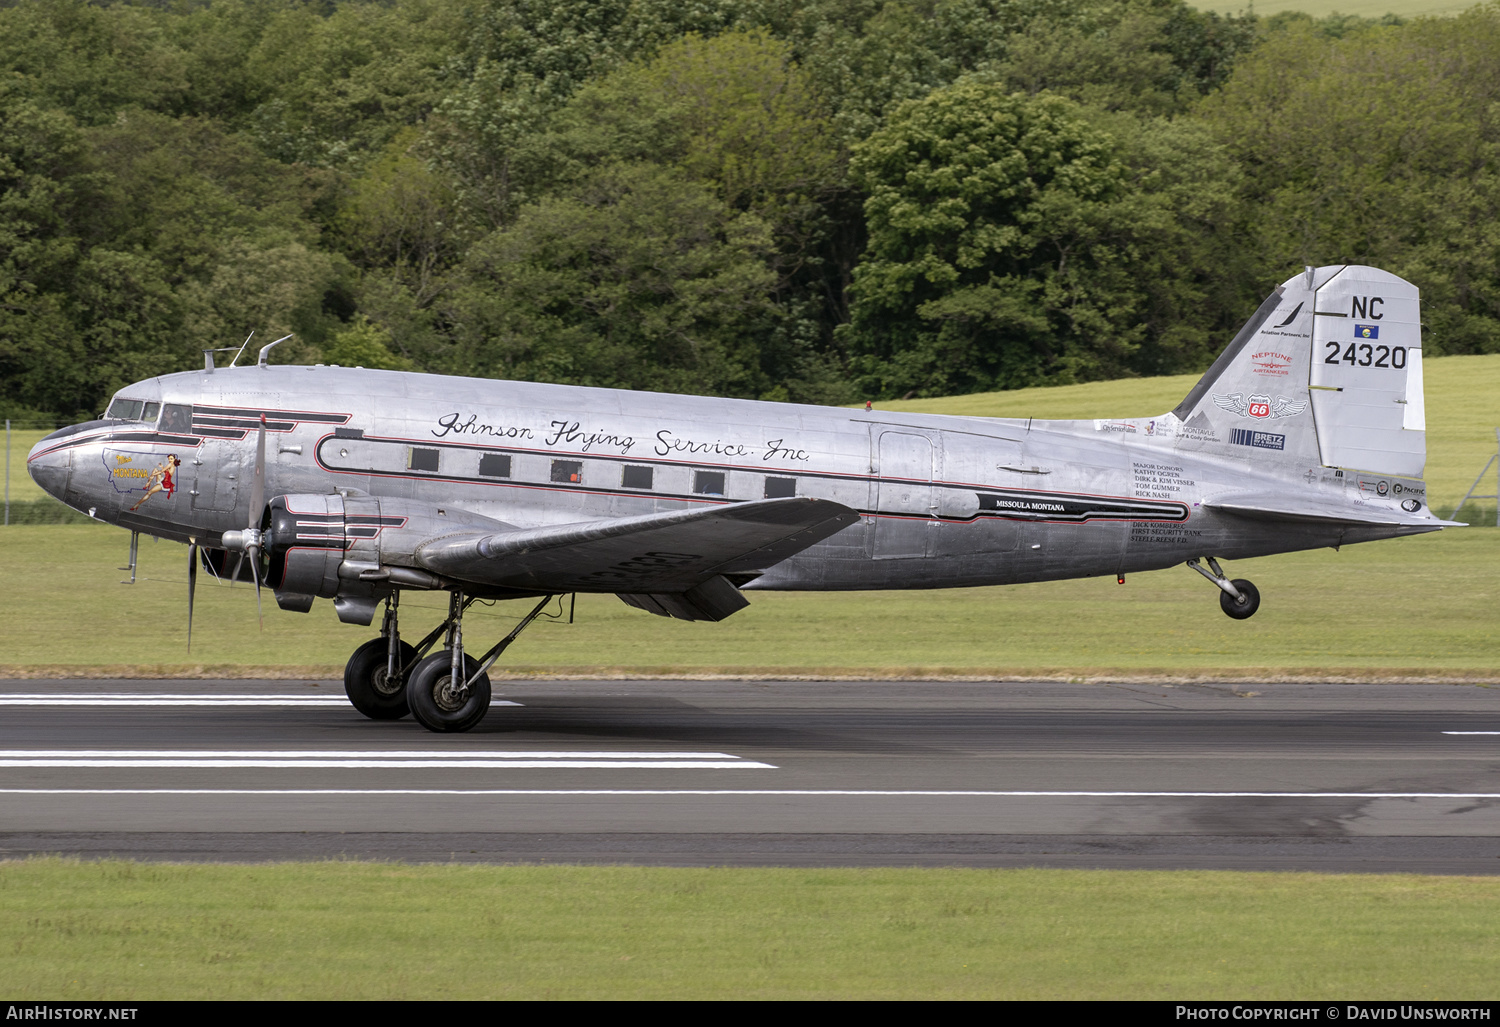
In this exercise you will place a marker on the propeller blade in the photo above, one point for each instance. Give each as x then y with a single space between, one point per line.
255 572
257 504
258 488
192 587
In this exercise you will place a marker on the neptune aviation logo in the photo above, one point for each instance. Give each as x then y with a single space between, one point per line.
1367 331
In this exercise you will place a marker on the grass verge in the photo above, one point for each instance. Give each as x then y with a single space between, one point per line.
1324 8
1421 607
73 930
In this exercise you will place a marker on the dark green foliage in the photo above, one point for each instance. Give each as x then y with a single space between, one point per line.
1014 242
1379 146
1045 190
133 245
91 60
45 190
639 277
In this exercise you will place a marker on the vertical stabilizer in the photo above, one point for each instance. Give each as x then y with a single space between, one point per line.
1366 380
1327 372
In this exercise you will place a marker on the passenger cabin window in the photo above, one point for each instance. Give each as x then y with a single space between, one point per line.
636 477
494 465
710 483
423 460
567 470
780 488
177 419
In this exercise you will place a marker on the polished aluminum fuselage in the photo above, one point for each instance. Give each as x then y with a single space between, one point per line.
946 501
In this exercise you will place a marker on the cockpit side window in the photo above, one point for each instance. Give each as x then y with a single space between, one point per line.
125 410
177 419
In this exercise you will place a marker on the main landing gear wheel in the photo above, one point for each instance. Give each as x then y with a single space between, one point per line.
441 704
1245 605
368 684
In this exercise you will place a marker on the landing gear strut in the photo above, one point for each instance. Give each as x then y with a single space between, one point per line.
1238 598
450 690
375 677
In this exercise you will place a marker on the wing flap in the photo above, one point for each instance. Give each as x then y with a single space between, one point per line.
654 553
713 600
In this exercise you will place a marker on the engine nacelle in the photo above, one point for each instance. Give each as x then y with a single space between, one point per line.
307 544
350 547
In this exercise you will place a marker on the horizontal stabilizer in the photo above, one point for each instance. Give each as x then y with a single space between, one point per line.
664 553
1306 510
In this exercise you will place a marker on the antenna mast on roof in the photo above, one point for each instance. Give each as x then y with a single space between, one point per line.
242 347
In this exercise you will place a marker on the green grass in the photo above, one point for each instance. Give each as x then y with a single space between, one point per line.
1323 8
22 488
1425 606
44 511
125 931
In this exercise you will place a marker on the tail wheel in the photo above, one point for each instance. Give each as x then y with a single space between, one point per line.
1245 605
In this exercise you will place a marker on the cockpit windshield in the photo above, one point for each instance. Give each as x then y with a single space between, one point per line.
123 409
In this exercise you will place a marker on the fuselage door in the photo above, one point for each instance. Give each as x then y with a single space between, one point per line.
903 495
219 466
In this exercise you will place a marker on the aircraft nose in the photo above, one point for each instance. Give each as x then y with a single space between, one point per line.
48 466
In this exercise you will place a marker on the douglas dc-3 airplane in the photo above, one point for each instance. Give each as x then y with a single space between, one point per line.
1308 431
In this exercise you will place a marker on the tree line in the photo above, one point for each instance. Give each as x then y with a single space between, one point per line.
807 200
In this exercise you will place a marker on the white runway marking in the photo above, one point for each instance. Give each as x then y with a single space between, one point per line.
747 792
367 760
176 699
1471 732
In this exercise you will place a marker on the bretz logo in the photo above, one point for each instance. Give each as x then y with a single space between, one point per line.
1257 439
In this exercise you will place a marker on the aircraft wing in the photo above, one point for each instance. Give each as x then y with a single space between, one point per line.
654 555
1267 507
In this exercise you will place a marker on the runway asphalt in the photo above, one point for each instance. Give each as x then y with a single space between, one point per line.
1333 777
